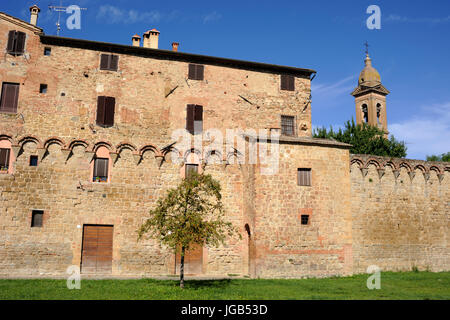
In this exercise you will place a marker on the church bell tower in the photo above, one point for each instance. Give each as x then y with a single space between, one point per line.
370 97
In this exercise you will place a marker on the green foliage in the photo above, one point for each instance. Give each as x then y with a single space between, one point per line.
365 139
445 157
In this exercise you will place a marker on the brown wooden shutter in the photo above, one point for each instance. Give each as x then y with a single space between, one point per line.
4 157
110 104
101 167
101 110
10 97
190 115
192 71
198 119
304 177
199 72
287 82
284 84
291 86
104 61
11 41
20 43
114 63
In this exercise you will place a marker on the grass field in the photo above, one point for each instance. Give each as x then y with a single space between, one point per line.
398 285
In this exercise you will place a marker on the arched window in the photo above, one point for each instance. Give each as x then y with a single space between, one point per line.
6 157
365 113
378 113
101 166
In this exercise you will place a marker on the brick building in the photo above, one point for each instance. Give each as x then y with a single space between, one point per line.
87 148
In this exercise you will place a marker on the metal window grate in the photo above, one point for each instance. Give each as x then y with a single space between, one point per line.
287 125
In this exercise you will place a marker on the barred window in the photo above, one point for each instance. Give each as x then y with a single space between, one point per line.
288 125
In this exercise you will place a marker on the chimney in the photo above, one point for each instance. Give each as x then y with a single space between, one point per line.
136 40
34 10
175 46
151 39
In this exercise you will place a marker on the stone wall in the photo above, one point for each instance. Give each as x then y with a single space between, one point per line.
400 213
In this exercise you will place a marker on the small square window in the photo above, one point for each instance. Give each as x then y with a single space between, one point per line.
43 88
36 218
304 176
305 218
47 51
33 161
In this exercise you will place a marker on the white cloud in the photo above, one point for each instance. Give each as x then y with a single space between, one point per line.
112 14
337 88
425 134
212 16
398 18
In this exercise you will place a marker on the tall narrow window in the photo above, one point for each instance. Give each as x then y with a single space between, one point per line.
105 111
196 71
33 161
288 125
194 118
43 88
365 113
16 42
100 170
304 176
37 218
4 160
189 168
47 51
378 113
10 97
287 82
305 218
109 62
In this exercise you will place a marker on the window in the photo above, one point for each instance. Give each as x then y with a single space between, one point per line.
36 218
10 97
109 62
43 88
16 42
365 113
287 82
288 125
105 111
33 161
189 168
378 113
305 218
47 51
194 118
304 177
4 160
196 71
101 170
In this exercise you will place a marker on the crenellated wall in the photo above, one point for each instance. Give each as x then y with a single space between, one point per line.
401 213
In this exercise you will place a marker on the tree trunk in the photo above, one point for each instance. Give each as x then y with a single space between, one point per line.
183 249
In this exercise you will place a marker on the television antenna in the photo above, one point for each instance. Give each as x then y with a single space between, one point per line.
59 9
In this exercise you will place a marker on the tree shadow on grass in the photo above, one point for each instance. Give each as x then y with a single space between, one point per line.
210 284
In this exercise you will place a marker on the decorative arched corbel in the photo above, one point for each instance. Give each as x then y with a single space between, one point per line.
440 177
89 155
137 158
411 174
17 149
67 153
114 156
42 152
426 175
381 172
364 172
396 173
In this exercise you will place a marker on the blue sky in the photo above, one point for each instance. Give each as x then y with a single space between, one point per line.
411 50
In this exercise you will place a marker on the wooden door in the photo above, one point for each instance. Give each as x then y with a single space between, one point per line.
96 256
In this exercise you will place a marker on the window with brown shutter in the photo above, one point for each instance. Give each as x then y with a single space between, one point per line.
4 160
196 71
16 42
194 118
105 111
10 97
109 62
287 82
100 170
288 125
37 218
189 168
304 177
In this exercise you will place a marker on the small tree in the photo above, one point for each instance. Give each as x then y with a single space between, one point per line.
189 214
365 139
445 157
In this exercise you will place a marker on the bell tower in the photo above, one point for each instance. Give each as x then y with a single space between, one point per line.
370 97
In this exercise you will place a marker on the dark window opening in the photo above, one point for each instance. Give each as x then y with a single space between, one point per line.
365 113
105 111
43 88
10 97
189 168
33 161
36 218
16 42
47 51
304 176
288 125
378 113
194 118
4 160
100 170
287 82
196 71
109 62
305 218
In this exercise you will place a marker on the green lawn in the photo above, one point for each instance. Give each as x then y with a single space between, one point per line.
398 285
